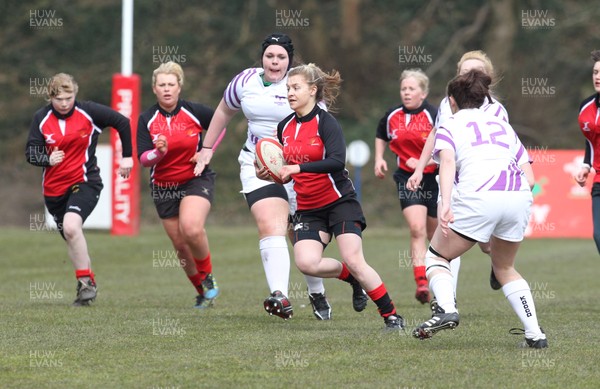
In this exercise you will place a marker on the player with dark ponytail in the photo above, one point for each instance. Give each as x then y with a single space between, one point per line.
484 160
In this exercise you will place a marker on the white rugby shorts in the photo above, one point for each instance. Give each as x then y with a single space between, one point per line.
251 183
503 214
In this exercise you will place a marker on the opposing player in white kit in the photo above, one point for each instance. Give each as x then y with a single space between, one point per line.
486 163
261 94
470 60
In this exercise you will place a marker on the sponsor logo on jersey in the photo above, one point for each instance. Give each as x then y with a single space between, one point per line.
585 126
280 100
49 139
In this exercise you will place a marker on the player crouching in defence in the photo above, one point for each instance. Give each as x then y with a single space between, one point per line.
492 204
315 152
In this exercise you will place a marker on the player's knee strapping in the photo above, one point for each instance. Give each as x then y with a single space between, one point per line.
433 261
302 233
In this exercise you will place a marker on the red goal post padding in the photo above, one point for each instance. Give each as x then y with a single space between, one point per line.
125 192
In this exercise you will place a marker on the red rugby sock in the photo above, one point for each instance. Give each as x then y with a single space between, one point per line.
79 273
196 280
420 276
381 298
204 266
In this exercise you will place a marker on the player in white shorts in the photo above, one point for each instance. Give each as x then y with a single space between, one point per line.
261 94
470 60
484 160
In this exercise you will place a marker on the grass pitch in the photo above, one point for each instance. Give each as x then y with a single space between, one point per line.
142 331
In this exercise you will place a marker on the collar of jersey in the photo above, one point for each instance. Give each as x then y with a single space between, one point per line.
61 116
173 112
308 117
598 100
264 82
416 110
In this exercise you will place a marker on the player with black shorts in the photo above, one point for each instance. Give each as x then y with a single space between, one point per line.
260 94
315 152
405 128
62 139
169 135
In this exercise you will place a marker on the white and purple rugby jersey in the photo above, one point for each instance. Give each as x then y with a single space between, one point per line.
487 150
263 106
494 108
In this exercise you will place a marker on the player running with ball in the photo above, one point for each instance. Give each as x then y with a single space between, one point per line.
315 150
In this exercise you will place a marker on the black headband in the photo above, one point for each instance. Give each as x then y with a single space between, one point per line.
281 40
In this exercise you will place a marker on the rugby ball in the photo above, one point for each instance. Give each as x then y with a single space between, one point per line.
269 154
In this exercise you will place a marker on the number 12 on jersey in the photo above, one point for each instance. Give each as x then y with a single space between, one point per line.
491 137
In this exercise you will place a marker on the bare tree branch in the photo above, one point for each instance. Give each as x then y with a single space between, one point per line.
457 40
416 29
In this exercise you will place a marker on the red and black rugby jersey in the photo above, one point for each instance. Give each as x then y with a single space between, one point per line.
406 132
75 133
183 128
316 143
589 123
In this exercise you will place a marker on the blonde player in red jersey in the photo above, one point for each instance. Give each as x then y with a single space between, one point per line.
62 139
169 134
315 152
260 93
405 128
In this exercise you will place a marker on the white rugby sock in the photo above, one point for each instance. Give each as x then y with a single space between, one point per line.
315 284
276 262
519 296
454 269
442 286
